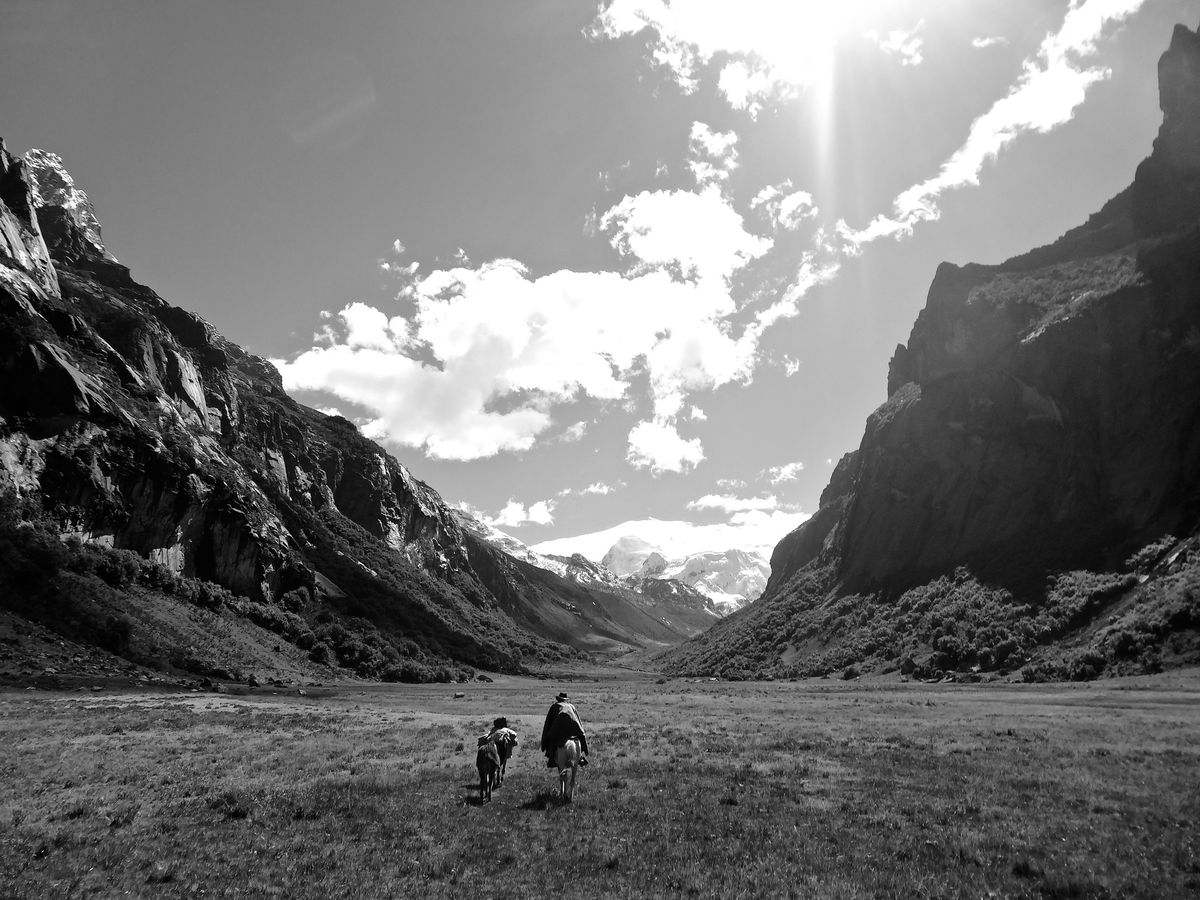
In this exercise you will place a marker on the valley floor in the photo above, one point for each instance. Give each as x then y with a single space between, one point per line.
696 788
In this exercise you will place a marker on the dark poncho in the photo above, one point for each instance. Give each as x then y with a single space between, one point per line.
562 722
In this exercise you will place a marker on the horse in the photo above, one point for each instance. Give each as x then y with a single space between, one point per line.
505 739
487 761
504 749
566 758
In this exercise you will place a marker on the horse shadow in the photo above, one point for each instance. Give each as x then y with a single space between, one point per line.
542 800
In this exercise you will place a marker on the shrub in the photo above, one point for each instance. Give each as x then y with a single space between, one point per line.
322 653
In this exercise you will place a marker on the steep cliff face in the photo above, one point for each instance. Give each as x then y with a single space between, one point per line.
1044 415
131 424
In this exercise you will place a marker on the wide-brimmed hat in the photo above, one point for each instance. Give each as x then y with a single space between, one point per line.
562 695
500 722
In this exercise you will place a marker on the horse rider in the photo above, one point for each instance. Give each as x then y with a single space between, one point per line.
562 722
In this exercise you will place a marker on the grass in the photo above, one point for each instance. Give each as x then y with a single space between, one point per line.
819 789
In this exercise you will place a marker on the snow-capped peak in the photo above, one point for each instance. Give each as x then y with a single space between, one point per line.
730 578
628 555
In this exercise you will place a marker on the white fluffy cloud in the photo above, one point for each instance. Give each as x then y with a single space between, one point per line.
784 206
788 472
696 235
489 352
516 514
1052 85
904 44
657 445
713 155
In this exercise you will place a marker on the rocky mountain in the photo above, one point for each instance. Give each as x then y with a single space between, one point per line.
158 488
1029 493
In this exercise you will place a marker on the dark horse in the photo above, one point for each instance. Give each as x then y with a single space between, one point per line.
487 761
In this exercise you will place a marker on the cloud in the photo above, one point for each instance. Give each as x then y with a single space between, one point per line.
1051 87
657 446
574 433
902 44
596 487
753 530
697 415
784 207
486 353
697 236
980 43
713 155
812 272
729 504
766 49
516 514
748 88
790 366
780 474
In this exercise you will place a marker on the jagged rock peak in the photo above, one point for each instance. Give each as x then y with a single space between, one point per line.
1179 99
53 186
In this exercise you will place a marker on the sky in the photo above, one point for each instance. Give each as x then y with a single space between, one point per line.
586 268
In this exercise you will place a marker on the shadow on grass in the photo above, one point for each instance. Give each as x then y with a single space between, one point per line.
542 800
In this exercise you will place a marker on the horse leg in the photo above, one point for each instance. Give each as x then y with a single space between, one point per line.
571 787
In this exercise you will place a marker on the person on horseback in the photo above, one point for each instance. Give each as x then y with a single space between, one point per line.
562 722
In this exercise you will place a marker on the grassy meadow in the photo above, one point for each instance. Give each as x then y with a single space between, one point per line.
696 788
